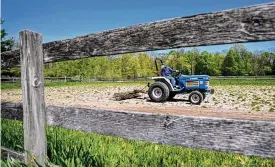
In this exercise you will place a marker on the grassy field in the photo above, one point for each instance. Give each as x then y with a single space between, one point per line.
244 81
75 148
233 81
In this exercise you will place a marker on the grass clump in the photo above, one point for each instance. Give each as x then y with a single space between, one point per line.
271 109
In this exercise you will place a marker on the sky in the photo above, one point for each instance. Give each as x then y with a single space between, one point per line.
63 19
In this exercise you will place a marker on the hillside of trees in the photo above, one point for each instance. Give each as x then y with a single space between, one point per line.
237 61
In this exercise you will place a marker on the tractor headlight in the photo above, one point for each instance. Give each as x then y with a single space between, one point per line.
207 83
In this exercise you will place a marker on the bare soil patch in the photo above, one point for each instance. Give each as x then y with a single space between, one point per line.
238 102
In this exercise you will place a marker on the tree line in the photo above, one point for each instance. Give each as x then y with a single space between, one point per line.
237 61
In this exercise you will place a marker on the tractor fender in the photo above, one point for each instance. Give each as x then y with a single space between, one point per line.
164 80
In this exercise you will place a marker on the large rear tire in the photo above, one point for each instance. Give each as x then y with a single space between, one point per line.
158 92
195 97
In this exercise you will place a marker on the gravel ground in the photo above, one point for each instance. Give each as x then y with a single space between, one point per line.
237 101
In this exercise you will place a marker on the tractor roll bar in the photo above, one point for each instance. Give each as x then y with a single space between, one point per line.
156 63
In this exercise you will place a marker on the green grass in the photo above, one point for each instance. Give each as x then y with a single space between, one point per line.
213 82
9 86
256 82
75 148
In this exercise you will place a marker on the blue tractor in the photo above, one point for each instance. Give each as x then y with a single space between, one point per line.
197 86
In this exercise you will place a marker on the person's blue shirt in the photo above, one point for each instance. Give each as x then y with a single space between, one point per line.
166 71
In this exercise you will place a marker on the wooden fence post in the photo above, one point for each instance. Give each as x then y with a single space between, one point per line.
32 82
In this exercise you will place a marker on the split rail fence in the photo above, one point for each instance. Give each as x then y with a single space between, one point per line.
249 137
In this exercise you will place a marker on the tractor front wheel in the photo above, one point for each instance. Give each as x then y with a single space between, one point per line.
158 92
195 97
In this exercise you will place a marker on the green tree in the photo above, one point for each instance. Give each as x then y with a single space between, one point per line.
254 59
192 57
272 62
230 66
114 70
237 61
206 64
266 62
146 65
182 64
241 58
6 43
218 60
124 62
261 63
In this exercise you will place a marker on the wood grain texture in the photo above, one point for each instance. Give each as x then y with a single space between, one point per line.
7 153
226 135
32 83
254 23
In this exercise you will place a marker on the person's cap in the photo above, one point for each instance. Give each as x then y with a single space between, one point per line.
163 65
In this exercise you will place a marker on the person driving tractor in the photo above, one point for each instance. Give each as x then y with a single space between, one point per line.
166 72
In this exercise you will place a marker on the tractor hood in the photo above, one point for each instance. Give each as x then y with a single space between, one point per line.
194 77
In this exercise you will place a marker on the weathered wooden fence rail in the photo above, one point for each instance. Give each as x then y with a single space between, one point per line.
249 24
235 136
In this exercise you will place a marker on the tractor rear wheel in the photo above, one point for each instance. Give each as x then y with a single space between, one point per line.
158 92
195 97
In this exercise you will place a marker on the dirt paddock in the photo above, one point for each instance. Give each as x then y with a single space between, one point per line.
238 102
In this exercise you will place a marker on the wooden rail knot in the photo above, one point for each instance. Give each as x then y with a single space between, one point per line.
167 121
36 82
255 21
